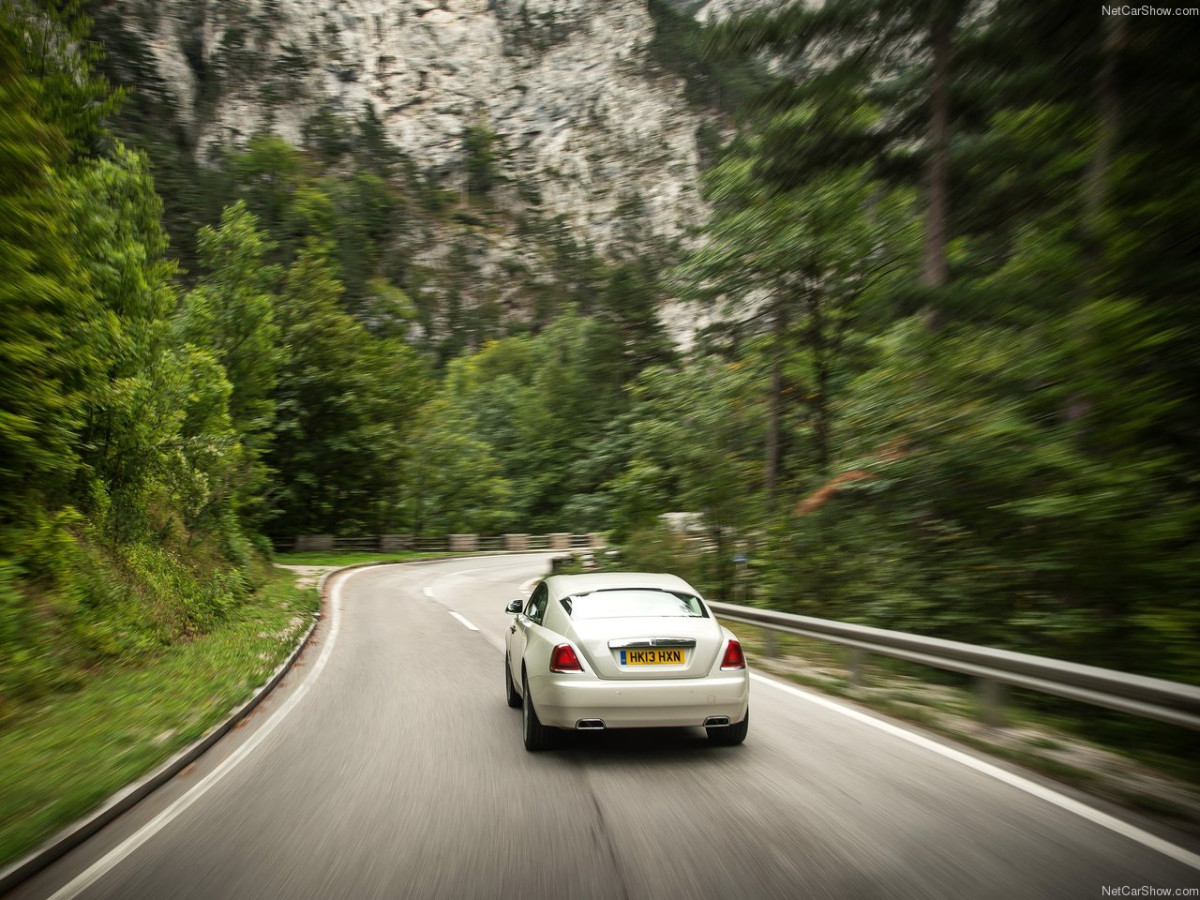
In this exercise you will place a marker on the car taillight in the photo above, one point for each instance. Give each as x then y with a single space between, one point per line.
733 656
563 659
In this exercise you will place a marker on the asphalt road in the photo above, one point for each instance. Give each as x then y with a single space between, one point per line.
387 765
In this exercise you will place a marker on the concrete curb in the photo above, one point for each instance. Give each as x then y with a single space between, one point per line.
125 799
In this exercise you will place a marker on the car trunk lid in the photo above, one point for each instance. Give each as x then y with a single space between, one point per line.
649 647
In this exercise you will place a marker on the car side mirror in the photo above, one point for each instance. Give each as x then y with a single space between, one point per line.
514 607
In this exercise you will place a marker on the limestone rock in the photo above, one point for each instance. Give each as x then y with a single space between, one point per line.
567 86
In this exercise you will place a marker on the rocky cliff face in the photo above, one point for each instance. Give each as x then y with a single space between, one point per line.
718 10
577 105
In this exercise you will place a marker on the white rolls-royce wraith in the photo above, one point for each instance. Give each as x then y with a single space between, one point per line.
623 650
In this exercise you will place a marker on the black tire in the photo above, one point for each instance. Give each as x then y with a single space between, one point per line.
510 689
537 736
730 735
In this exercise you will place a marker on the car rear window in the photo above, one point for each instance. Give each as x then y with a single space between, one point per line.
626 602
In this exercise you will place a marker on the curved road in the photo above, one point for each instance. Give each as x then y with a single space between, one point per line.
387 765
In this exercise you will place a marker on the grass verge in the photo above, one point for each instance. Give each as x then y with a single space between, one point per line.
68 756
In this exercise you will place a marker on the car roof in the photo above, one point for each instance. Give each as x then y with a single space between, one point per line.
566 585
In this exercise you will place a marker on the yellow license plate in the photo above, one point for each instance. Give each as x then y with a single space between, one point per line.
658 656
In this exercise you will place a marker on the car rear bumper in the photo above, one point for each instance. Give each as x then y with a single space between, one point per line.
562 700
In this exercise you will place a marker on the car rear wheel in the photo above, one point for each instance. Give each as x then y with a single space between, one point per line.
729 735
510 689
537 736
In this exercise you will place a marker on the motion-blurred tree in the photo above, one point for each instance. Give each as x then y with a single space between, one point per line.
481 161
1019 473
231 314
453 483
693 434
900 52
116 441
122 250
796 264
344 404
51 38
47 372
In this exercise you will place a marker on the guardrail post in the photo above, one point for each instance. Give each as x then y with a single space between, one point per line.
992 695
560 540
770 645
463 543
314 542
516 542
857 663
390 543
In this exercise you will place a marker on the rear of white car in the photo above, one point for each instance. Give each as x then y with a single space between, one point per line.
625 651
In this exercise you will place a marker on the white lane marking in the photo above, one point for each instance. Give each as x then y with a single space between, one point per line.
429 591
93 873
468 571
1095 816
498 644
526 586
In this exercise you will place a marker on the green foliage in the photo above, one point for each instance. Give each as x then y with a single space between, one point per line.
266 175
358 212
48 39
479 151
575 275
118 440
328 135
374 148
1005 456
452 481
343 404
46 370
231 314
132 423
723 84
633 334
150 119
1006 460
693 439
388 311
366 218
26 667
150 708
658 548
555 396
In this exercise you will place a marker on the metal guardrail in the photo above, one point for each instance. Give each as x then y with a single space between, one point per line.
391 543
354 543
1137 695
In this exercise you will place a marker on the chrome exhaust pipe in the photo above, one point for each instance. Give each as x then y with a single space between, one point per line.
716 721
590 725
